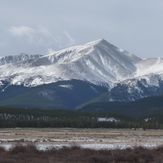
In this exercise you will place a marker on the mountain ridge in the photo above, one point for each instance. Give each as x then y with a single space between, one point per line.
96 62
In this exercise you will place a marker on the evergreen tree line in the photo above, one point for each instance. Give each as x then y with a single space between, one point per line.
74 119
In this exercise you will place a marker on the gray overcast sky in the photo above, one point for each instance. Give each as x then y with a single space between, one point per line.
36 26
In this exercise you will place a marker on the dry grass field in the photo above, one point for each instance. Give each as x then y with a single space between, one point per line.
93 138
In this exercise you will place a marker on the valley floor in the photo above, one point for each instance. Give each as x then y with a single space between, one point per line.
47 138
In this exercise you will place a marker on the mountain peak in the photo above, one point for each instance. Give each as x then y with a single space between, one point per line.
97 42
100 43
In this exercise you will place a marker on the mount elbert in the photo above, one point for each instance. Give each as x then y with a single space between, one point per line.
70 78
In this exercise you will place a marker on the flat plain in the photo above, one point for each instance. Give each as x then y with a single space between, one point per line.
46 138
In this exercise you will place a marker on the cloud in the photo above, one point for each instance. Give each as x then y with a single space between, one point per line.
37 35
41 35
39 38
22 31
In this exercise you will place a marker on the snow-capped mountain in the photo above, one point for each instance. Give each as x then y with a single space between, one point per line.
98 62
93 68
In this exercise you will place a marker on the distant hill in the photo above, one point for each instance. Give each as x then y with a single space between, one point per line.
143 107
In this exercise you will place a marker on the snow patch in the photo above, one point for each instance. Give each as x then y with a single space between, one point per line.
110 119
66 86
